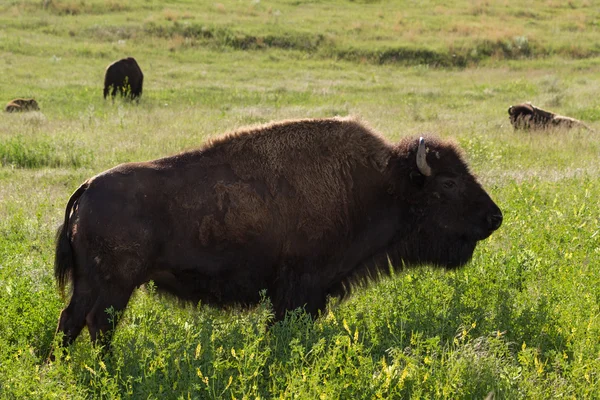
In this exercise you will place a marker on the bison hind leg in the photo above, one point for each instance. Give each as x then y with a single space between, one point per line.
105 314
73 317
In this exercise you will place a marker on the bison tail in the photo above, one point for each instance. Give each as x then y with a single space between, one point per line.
64 259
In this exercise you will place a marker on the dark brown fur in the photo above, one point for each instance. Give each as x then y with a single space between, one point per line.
124 76
18 105
299 208
528 116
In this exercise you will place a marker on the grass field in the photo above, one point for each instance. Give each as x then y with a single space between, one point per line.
521 320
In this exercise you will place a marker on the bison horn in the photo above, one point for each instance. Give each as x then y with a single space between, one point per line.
424 168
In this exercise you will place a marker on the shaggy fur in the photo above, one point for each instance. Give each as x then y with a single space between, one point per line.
125 76
528 116
299 208
18 105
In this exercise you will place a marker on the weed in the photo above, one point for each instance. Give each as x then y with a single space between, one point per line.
519 321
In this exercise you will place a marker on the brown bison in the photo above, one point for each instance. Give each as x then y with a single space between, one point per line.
18 105
528 116
299 208
126 76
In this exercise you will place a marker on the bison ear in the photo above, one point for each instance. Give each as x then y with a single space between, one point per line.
417 178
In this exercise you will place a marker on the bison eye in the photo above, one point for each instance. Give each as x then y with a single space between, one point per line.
448 184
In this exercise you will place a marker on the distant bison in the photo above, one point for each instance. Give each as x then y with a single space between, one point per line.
124 76
17 105
528 116
299 208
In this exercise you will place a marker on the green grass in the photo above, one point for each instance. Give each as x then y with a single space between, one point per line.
522 319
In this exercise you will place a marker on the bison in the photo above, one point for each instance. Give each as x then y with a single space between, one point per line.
528 116
17 105
126 76
300 208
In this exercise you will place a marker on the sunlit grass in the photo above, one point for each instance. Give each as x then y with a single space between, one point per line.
521 320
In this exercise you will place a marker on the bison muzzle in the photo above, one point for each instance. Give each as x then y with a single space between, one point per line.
300 208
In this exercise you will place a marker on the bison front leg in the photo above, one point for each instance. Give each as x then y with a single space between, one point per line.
299 291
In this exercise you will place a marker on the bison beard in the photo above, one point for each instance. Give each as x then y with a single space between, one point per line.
299 208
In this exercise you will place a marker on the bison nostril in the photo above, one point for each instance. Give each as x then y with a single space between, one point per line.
494 221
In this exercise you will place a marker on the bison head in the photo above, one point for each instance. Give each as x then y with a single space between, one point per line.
526 116
521 115
450 209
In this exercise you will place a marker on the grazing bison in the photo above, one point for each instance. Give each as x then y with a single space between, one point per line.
18 105
125 76
299 208
528 116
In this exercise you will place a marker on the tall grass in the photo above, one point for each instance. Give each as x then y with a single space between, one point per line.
519 321
458 33
26 153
